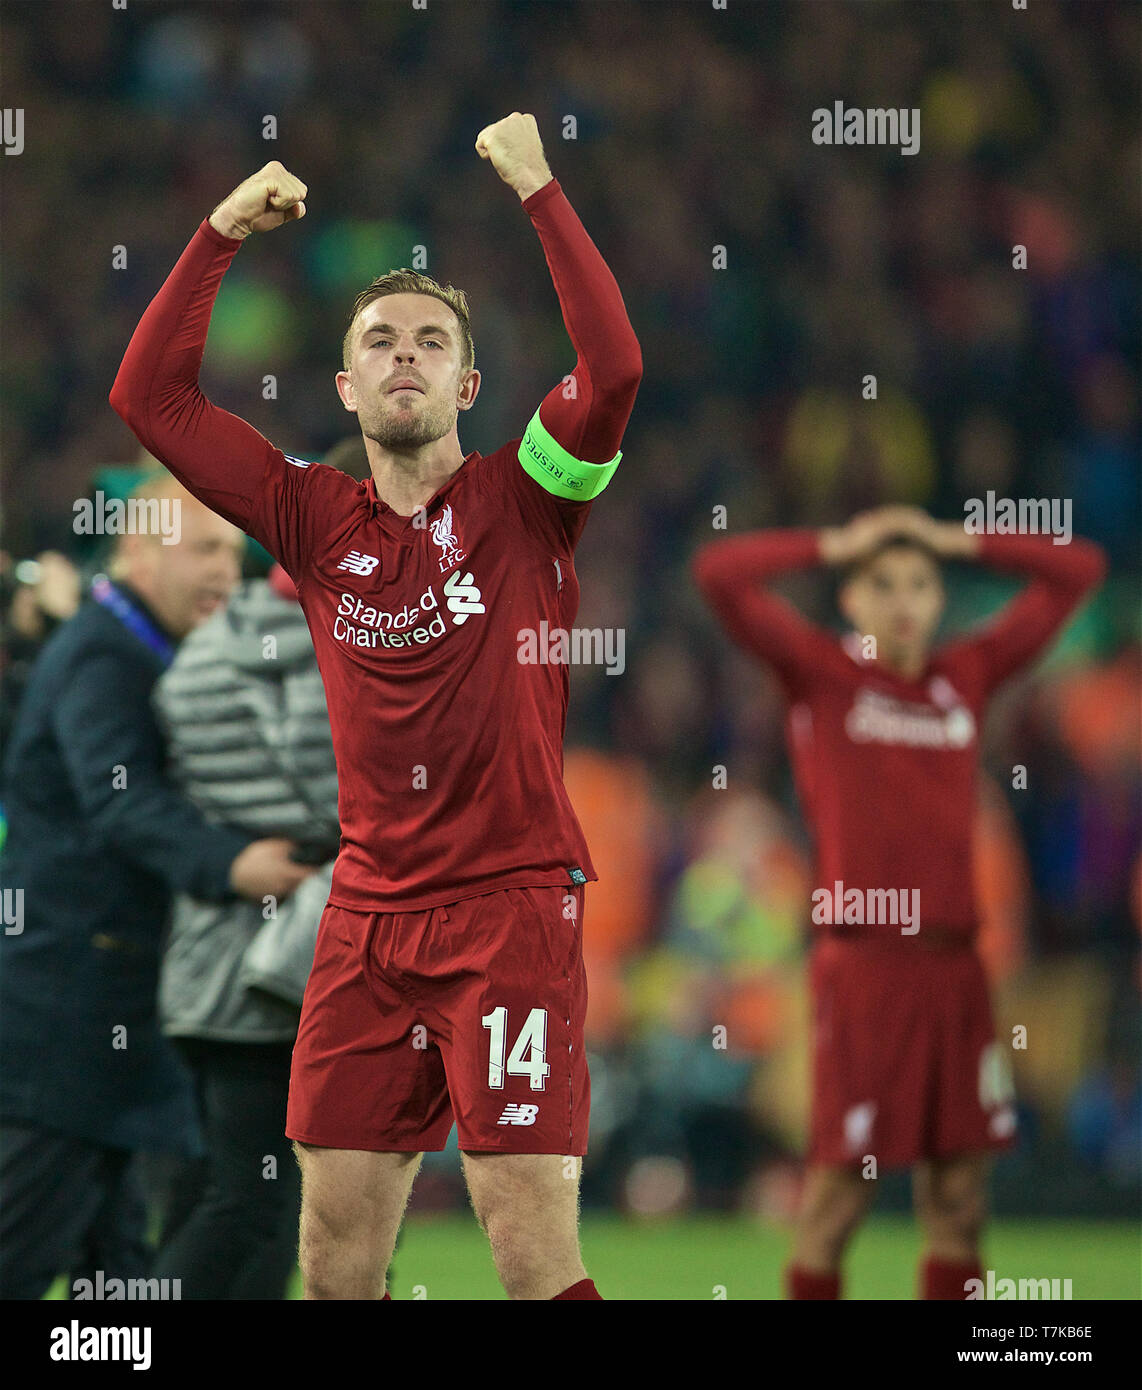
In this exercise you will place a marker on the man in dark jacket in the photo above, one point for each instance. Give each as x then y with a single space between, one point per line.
97 842
234 973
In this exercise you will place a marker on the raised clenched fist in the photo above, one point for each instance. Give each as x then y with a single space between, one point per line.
266 200
516 152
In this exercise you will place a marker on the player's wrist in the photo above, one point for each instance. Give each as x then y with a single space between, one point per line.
954 542
832 545
225 225
532 182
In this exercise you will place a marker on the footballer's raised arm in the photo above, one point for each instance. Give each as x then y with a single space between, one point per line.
731 573
571 446
219 457
1060 577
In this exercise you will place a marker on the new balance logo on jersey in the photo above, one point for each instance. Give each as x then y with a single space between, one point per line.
463 597
518 1115
356 563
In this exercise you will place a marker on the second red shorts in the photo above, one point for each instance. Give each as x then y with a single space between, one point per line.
470 1013
906 1064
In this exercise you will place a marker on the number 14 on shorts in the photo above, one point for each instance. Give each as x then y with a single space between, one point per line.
532 1040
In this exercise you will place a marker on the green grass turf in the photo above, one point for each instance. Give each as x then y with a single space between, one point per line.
447 1258
690 1258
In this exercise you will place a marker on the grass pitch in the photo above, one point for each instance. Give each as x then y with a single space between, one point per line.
698 1257
711 1257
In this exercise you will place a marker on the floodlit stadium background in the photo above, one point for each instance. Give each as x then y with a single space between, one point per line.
692 132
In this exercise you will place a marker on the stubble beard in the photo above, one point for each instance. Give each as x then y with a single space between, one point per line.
401 430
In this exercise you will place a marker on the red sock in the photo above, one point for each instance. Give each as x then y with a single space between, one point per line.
804 1283
946 1278
385 1295
585 1288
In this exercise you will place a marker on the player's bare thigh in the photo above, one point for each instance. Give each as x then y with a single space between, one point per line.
529 1206
352 1202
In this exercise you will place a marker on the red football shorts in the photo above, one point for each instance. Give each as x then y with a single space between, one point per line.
471 1012
906 1065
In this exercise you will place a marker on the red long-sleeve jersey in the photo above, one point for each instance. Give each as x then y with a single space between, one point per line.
885 766
449 747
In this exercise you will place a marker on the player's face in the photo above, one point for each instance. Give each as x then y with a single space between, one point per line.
897 598
405 381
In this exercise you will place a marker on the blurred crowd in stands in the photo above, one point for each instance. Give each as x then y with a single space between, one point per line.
691 132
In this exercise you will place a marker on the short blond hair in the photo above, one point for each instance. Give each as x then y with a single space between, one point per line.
405 281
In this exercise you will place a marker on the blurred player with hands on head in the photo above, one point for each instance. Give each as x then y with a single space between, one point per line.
448 980
882 732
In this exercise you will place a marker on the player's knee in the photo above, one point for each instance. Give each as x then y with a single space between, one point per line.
965 1216
347 1230
838 1205
513 1244
334 1267
829 1220
954 1215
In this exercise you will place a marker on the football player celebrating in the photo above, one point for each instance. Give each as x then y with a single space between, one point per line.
448 980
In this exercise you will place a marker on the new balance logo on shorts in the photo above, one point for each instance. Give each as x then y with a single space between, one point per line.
518 1115
356 563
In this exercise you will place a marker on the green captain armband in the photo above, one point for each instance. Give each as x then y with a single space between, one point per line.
557 471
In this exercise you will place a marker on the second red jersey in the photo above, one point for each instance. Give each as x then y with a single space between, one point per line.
886 766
